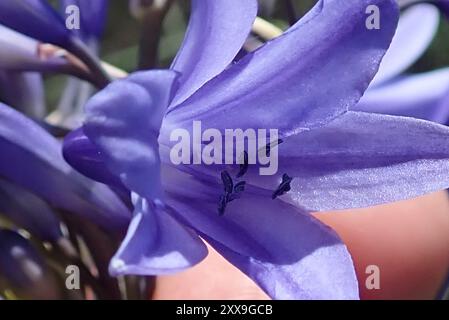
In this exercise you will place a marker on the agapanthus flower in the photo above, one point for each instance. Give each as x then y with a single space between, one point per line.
32 159
36 19
32 101
302 83
423 95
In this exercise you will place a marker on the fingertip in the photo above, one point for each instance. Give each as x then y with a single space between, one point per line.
408 241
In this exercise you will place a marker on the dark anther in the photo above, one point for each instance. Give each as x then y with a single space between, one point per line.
231 192
227 182
244 165
272 145
233 196
222 205
240 187
284 187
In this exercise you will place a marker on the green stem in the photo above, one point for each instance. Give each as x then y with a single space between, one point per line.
100 78
151 34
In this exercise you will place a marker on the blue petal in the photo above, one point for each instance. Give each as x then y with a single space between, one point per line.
84 156
287 252
420 96
286 83
416 30
25 92
123 122
216 33
156 243
362 160
33 159
358 160
36 19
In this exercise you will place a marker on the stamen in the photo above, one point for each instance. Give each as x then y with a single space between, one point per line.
222 205
227 182
244 165
240 187
231 192
233 196
271 145
284 187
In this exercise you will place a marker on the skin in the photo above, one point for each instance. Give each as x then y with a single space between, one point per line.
407 240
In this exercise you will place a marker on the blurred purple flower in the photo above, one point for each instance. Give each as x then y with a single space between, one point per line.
30 212
338 159
424 95
19 53
38 20
32 159
24 91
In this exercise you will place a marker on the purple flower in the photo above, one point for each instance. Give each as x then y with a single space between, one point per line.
76 143
416 30
36 19
31 100
32 159
302 83
424 95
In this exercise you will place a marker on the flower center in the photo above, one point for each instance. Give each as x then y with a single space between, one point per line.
232 192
